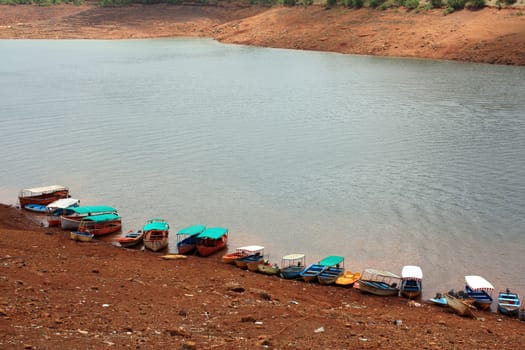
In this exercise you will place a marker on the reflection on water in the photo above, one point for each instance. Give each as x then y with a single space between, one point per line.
384 161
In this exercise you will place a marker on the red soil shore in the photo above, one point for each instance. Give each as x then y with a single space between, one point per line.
57 293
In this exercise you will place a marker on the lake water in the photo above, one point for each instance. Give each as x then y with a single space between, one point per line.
387 162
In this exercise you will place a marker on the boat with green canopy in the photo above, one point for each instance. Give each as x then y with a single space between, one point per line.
187 238
312 271
100 224
72 216
156 233
211 240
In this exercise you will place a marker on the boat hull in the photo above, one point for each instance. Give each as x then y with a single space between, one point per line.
268 269
509 304
207 247
130 239
70 222
101 229
310 273
81 236
291 272
459 307
410 288
377 288
36 208
43 199
230 258
348 278
330 275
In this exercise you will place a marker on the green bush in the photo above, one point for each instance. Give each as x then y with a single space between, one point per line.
456 4
510 2
411 4
436 4
475 4
330 3
448 10
358 3
375 3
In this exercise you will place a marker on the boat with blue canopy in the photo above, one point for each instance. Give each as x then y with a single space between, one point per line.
212 240
102 224
187 238
156 232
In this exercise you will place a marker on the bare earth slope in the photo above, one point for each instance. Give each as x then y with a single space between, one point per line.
489 35
57 293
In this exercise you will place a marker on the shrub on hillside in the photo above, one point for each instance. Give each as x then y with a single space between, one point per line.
475 4
456 4
375 3
436 4
411 4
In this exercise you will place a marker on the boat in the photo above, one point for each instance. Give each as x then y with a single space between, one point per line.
459 306
55 209
509 303
521 314
480 289
81 236
348 278
411 281
42 195
268 268
335 268
37 208
212 240
292 265
241 252
187 238
311 272
378 282
439 299
252 259
156 233
102 224
130 238
71 217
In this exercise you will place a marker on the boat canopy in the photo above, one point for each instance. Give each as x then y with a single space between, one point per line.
87 209
478 283
213 233
192 230
101 218
293 257
378 273
410 272
35 191
62 203
156 224
331 260
251 249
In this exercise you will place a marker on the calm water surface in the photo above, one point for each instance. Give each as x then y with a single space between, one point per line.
384 161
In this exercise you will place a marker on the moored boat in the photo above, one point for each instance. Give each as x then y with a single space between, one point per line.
36 208
81 236
55 209
130 238
411 281
439 299
102 224
480 289
312 271
268 268
379 282
71 217
241 252
252 259
212 240
335 268
292 265
459 306
509 303
348 278
156 232
187 238
42 195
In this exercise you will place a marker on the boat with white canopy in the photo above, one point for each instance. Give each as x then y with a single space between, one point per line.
480 289
411 281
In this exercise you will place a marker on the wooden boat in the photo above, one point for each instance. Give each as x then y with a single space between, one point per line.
37 208
348 278
212 240
411 281
71 217
241 252
439 299
480 289
130 238
187 239
55 209
378 282
100 224
311 272
268 268
335 268
253 260
509 303
292 265
81 236
156 232
42 195
459 306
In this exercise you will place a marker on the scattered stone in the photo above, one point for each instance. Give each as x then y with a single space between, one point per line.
398 322
294 302
263 340
82 332
95 271
105 305
189 345
183 313
179 332
319 330
248 319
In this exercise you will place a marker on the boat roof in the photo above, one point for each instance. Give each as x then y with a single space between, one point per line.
101 217
44 189
331 260
86 209
156 224
379 273
412 272
192 230
213 233
251 248
295 256
478 283
63 203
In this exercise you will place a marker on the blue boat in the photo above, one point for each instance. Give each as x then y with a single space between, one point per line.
37 208
312 271
439 299
480 289
411 281
187 238
335 268
292 265
378 282
509 303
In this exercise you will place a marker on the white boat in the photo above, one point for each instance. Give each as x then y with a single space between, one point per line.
480 289
42 195
411 281
55 209
379 282
72 216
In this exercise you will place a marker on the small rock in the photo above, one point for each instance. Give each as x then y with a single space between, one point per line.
319 330
248 319
189 345
398 322
263 340
180 332
294 302
95 271
183 313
